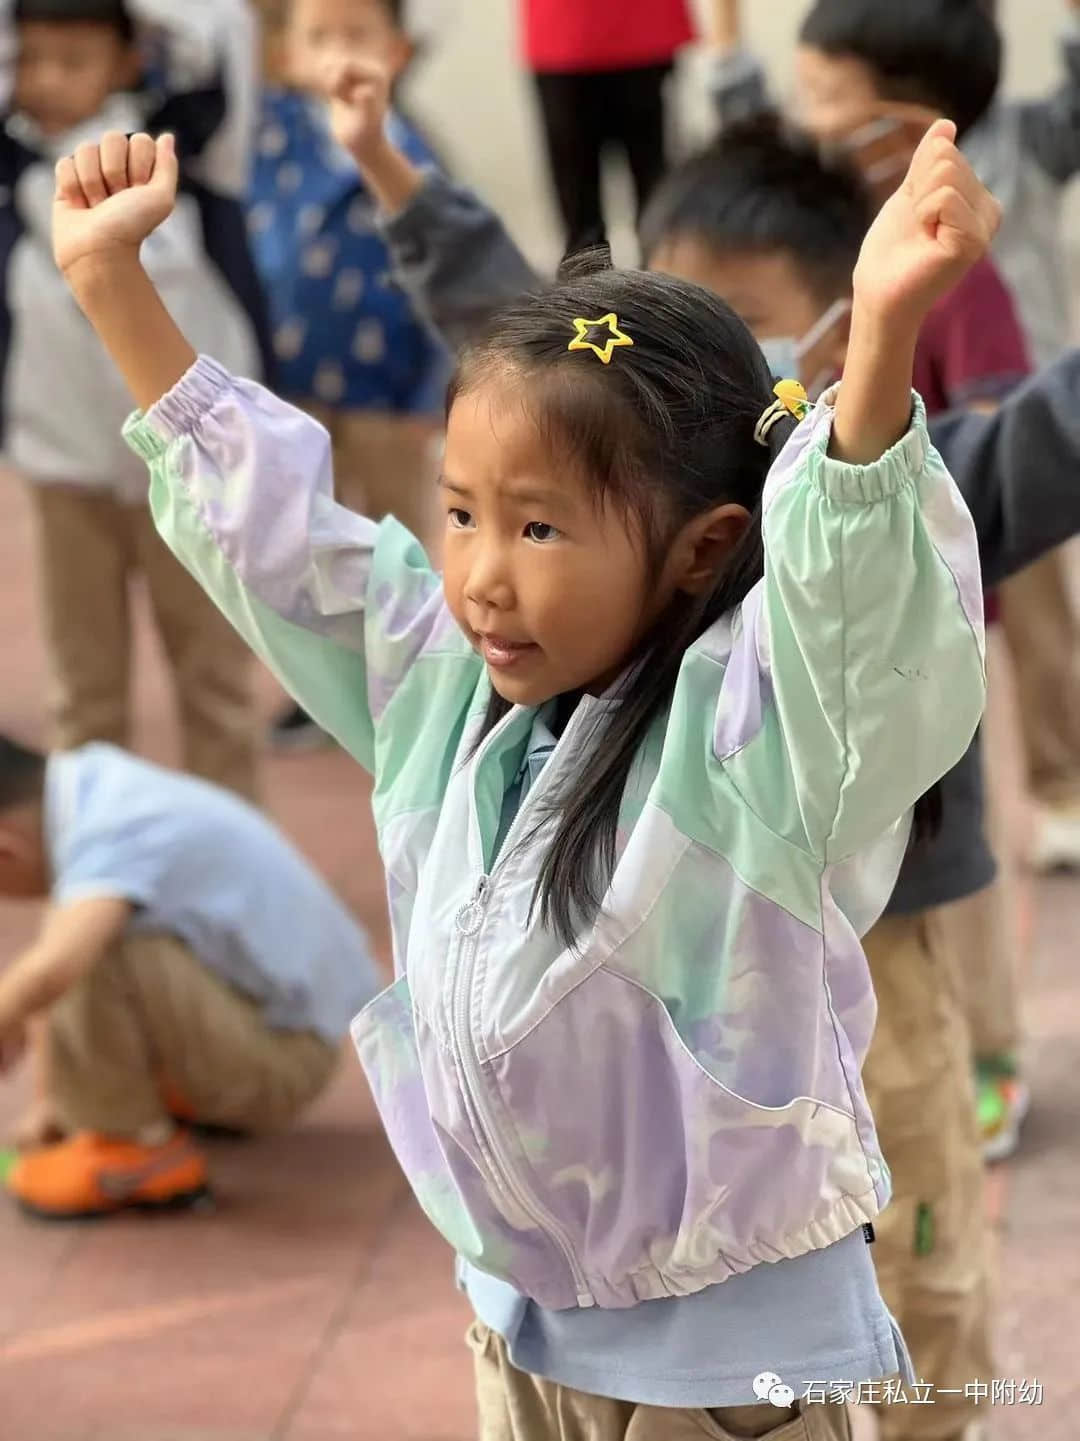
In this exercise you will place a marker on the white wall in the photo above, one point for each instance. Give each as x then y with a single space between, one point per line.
478 102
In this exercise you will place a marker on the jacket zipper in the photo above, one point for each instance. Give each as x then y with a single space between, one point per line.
469 921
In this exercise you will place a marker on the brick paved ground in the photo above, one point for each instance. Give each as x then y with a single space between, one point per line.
316 1304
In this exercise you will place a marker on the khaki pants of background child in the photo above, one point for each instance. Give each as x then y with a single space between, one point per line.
384 465
515 1406
987 932
151 1030
1043 629
90 545
932 1253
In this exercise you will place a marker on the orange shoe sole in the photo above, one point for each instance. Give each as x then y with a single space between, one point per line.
200 1201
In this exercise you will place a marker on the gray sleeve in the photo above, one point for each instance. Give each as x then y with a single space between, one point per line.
1019 469
1050 129
737 87
455 259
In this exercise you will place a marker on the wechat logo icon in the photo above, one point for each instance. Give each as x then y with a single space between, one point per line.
769 1387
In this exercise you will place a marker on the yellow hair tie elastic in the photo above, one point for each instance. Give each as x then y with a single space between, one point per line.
791 399
608 328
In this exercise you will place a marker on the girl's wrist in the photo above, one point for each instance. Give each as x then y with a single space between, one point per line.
873 410
94 278
881 335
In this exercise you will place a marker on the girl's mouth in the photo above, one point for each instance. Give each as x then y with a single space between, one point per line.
501 654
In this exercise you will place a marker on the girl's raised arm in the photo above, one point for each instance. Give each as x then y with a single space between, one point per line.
109 198
924 239
241 484
856 678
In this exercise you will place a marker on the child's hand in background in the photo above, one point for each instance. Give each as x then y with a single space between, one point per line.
927 235
110 197
359 95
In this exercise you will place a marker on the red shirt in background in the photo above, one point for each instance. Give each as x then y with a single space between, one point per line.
586 35
971 349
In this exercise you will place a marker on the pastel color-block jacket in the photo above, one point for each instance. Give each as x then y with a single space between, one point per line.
678 1098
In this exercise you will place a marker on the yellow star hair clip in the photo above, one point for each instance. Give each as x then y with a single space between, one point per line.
608 328
791 399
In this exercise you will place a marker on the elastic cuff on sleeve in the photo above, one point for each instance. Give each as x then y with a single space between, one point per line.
179 412
865 484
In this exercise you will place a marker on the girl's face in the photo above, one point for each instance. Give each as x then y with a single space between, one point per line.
553 590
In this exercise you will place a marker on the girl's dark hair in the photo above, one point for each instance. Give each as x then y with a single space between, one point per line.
665 432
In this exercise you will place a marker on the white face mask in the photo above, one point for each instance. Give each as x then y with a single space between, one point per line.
873 132
783 353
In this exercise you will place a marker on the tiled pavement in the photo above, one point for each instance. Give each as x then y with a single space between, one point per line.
316 1304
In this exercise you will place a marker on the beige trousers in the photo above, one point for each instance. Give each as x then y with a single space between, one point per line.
151 1030
932 1251
1043 630
987 931
384 465
90 546
515 1406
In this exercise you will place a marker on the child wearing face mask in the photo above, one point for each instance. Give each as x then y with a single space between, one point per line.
869 79
791 355
761 220
620 1062
973 350
945 57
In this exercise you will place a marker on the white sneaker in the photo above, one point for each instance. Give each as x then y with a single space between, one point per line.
1055 842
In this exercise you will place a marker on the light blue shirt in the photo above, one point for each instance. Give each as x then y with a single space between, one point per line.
815 1320
202 865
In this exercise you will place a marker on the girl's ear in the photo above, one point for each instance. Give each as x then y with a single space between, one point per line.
703 545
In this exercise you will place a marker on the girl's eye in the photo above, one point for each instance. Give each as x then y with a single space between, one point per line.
539 531
460 519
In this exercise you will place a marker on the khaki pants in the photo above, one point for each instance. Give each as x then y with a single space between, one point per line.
514 1406
89 546
148 1022
932 1253
384 465
986 931
1043 631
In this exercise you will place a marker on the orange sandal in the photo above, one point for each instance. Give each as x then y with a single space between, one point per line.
94 1175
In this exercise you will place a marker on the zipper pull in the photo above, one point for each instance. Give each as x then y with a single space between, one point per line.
470 916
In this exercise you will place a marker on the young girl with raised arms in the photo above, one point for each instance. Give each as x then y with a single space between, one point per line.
645 756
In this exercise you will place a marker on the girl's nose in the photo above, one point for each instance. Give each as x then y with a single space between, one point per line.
488 582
